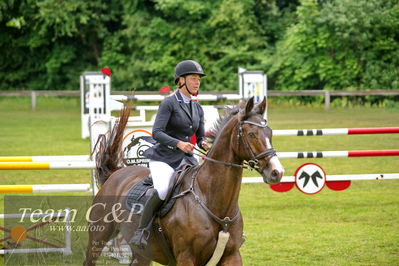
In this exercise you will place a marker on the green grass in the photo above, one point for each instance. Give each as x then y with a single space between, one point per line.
353 227
358 226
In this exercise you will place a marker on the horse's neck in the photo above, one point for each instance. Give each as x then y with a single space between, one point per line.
220 184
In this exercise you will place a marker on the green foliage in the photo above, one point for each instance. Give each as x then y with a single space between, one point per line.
221 35
334 45
47 44
340 45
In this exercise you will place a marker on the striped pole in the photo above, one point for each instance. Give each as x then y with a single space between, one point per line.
336 131
45 158
283 155
53 188
47 165
332 154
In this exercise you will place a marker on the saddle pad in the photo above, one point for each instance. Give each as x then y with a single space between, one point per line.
137 198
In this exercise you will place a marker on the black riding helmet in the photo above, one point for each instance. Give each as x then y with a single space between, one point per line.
188 67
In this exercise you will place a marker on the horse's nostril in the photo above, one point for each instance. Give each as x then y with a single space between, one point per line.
275 173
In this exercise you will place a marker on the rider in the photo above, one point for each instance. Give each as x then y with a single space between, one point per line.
178 118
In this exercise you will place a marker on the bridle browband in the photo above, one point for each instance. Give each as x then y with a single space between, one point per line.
253 163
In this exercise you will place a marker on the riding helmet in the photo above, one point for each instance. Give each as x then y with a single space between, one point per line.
188 67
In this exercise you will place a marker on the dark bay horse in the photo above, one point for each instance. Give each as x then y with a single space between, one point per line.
209 201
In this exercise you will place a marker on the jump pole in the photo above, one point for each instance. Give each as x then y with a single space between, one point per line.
336 131
336 154
53 188
47 165
282 155
45 158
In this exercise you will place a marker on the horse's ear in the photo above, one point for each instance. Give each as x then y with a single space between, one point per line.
261 108
249 106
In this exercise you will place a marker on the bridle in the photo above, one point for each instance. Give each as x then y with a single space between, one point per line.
253 163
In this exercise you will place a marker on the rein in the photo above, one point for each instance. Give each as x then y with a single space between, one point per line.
217 161
253 163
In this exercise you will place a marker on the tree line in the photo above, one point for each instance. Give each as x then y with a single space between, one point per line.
308 44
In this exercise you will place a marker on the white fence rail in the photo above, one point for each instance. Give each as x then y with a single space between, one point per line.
217 96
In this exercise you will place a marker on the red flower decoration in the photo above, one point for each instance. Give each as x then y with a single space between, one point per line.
106 71
164 90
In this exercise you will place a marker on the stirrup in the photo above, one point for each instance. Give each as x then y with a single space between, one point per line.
140 238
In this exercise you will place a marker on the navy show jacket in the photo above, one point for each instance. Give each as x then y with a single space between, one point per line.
174 122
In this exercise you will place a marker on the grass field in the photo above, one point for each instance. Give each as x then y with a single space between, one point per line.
358 226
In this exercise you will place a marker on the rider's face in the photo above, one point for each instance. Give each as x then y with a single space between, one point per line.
193 82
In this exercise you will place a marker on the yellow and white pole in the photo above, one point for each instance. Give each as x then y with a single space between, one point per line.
47 165
53 188
79 158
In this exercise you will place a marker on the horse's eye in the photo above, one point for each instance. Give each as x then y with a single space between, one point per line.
252 135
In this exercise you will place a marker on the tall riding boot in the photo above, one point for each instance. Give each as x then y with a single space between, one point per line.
142 233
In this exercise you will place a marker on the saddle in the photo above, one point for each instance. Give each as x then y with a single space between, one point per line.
139 194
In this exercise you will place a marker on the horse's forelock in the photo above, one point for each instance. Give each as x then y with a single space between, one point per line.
248 115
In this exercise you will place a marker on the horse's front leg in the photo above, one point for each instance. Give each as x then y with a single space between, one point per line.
232 259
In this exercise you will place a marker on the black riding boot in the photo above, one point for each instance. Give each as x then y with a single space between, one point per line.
142 233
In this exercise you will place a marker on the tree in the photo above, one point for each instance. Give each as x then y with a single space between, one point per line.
47 44
221 35
340 45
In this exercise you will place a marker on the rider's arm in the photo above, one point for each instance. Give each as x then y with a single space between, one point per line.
165 111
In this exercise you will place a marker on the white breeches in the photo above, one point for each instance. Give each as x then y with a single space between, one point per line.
161 175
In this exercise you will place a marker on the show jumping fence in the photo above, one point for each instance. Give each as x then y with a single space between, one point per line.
97 104
65 165
84 161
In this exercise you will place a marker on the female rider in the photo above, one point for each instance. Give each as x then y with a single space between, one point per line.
178 118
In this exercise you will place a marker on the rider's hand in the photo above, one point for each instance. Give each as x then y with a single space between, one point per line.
185 146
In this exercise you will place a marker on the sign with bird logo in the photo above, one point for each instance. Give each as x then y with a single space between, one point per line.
310 178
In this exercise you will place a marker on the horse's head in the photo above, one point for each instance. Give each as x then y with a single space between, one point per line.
255 142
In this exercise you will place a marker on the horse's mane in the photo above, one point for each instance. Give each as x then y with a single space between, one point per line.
222 120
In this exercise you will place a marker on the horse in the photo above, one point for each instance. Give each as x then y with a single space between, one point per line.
208 201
